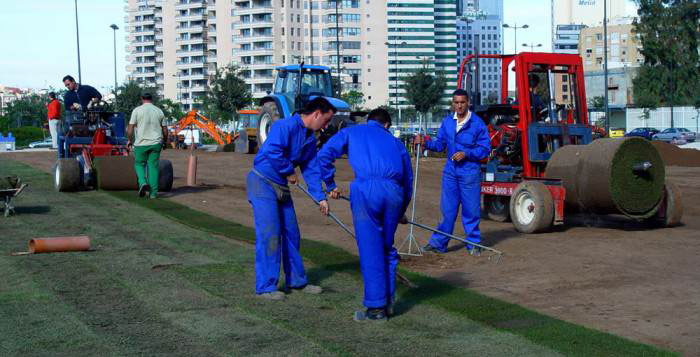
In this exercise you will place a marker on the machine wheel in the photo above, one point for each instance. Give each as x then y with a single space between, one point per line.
497 208
531 207
671 211
165 175
66 175
268 115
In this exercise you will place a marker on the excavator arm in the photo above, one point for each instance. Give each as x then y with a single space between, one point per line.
203 123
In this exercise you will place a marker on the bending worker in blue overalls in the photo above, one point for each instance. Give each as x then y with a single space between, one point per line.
466 139
290 143
379 196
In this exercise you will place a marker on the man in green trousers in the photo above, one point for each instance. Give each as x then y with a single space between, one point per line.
147 142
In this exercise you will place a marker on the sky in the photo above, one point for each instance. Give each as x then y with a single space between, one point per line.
40 42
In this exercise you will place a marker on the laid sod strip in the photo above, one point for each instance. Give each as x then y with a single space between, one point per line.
154 286
556 334
213 280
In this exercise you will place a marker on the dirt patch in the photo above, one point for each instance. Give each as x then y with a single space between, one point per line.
675 156
608 273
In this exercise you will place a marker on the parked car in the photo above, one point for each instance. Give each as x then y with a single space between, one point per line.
46 143
646 133
690 135
616 132
673 135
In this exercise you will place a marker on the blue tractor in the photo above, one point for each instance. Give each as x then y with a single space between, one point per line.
295 86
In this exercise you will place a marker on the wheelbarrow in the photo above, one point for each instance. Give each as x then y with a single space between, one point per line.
7 194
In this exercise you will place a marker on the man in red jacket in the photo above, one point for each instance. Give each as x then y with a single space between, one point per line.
54 108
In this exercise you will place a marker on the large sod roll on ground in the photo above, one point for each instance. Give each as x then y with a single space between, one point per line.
116 173
611 175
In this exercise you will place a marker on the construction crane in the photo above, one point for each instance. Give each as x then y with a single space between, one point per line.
194 118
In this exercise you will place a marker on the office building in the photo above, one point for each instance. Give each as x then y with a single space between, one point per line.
479 30
623 47
567 38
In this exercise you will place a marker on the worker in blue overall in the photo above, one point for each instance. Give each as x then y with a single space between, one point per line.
290 143
379 196
465 137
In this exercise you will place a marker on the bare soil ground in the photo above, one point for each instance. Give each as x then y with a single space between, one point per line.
605 272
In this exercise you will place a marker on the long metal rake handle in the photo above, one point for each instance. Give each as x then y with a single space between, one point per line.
446 234
330 214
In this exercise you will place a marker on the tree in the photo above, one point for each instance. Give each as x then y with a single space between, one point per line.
669 34
227 94
28 110
129 97
424 90
596 104
354 98
172 110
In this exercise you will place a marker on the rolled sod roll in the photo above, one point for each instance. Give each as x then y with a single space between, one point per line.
116 173
611 175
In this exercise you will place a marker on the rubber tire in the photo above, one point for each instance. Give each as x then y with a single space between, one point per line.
268 115
67 175
165 176
496 212
543 207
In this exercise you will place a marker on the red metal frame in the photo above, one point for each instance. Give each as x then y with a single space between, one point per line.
524 62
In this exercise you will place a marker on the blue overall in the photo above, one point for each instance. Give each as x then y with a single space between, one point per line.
379 196
461 181
277 236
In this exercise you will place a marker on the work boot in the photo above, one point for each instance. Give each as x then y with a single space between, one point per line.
310 289
144 190
273 295
376 315
429 248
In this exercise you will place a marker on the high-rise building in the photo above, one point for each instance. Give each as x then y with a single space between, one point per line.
479 30
566 38
585 12
176 45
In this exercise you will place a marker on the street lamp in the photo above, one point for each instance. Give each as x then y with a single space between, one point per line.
532 46
396 75
515 28
114 32
77 40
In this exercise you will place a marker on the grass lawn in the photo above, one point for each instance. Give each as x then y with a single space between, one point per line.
165 279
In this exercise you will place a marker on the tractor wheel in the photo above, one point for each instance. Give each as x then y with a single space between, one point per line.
268 115
66 175
531 207
165 176
671 211
497 208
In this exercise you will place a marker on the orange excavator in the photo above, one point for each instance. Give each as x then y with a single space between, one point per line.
194 118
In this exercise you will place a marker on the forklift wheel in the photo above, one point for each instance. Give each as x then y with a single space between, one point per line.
66 175
497 208
165 176
531 207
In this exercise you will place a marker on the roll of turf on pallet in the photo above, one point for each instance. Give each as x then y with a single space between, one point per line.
611 176
116 173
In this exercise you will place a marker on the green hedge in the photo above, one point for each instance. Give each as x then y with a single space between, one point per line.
25 135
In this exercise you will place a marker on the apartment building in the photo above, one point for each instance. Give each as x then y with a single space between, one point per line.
177 45
623 47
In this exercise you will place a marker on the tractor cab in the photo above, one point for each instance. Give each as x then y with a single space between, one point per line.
298 87
294 87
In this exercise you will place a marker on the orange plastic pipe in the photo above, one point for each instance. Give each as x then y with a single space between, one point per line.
59 244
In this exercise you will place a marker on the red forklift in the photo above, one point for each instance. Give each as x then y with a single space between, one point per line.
548 112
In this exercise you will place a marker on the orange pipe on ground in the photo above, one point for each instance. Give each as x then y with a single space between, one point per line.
59 244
